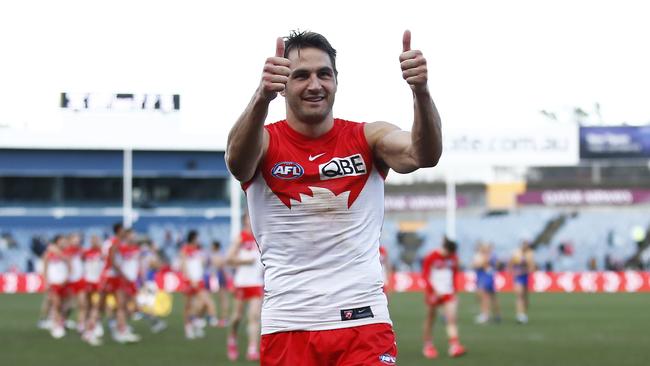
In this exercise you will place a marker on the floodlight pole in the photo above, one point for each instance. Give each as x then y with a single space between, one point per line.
127 188
451 206
235 208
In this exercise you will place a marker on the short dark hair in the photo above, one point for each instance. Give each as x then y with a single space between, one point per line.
191 236
306 39
216 245
117 227
450 245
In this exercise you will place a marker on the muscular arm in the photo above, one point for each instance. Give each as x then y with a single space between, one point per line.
405 151
248 140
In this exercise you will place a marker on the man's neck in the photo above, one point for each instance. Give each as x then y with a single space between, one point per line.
312 130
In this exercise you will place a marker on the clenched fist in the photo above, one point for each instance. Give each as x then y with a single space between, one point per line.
276 73
414 65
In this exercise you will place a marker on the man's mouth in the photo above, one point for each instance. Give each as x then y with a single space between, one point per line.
314 99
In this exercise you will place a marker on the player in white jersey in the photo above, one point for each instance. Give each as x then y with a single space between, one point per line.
93 263
244 255
75 286
197 297
314 185
56 269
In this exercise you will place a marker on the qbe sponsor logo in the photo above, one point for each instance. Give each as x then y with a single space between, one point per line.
287 170
348 166
388 359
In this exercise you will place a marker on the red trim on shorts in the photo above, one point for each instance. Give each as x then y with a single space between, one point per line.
129 287
110 285
76 287
91 287
60 290
431 298
192 288
249 292
368 345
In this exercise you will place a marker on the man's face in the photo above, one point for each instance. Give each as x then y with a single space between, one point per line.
311 87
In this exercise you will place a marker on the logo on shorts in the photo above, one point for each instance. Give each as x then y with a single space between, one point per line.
287 170
387 359
347 314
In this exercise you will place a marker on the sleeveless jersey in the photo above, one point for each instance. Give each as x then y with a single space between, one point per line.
439 272
108 271
74 254
129 261
193 262
316 207
249 275
57 268
93 263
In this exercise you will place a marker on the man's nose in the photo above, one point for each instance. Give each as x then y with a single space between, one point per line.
314 82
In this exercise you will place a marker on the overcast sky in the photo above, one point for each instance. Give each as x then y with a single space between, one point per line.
491 62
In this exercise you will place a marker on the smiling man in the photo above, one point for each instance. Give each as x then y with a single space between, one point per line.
315 190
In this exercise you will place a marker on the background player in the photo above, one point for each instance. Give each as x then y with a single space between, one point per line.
485 264
521 264
244 255
439 270
55 272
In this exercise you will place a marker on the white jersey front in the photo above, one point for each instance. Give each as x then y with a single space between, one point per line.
316 209
249 275
57 268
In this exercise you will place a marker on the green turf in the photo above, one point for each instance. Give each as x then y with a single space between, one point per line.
565 329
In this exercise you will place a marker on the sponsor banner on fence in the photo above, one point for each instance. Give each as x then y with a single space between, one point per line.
629 281
585 197
420 202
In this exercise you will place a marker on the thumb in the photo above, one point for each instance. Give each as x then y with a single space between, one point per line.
279 47
406 41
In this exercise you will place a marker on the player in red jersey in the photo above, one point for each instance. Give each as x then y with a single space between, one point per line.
193 269
244 256
56 269
76 286
315 181
93 263
439 270
112 281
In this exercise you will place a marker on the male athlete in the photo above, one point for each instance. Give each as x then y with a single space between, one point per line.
315 192
244 256
439 270
521 264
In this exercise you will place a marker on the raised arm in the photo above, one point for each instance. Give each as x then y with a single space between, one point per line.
248 140
405 151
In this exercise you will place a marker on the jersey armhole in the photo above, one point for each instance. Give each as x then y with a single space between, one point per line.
383 171
271 148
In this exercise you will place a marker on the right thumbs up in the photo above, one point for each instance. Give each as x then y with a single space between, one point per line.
276 73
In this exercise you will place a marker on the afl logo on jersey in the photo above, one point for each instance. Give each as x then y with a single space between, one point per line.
287 170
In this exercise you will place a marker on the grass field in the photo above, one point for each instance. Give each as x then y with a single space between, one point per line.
565 329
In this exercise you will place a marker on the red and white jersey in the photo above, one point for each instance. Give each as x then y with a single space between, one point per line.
93 264
249 275
108 270
194 262
316 207
439 271
74 255
57 267
129 261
